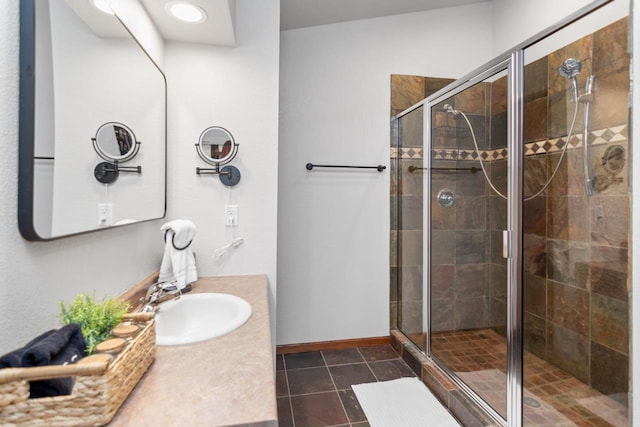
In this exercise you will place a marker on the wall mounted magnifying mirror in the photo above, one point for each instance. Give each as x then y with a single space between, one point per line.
81 70
115 143
217 147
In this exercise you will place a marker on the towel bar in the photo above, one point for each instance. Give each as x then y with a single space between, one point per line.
380 168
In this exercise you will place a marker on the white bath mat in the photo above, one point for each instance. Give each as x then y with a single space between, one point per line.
405 402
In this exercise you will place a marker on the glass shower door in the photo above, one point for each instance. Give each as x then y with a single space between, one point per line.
467 215
410 301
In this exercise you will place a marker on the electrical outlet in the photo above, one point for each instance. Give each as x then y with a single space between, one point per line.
231 215
105 214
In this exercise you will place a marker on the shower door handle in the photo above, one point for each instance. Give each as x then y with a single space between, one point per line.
506 247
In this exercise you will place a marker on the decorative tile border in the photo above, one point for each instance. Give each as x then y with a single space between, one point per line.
596 137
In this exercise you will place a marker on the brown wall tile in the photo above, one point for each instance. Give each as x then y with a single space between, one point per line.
609 370
534 334
498 282
569 307
470 280
410 212
470 247
535 215
434 84
569 351
410 248
499 95
497 213
442 247
405 91
610 322
535 295
535 116
610 216
535 255
610 102
610 48
474 99
411 278
568 262
471 313
471 213
442 281
535 79
609 271
411 130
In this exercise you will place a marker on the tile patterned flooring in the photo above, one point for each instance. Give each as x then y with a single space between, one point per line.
314 388
552 397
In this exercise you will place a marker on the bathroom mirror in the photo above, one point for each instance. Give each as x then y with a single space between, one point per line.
216 146
82 71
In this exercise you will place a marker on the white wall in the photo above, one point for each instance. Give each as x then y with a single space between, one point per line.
35 276
516 21
236 88
333 257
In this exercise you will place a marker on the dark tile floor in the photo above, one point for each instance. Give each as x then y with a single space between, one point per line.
314 388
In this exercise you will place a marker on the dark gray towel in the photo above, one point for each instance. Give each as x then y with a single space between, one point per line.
14 358
55 347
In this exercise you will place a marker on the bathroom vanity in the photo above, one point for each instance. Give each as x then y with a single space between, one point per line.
224 381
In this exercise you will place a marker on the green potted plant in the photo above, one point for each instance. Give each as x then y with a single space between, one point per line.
96 318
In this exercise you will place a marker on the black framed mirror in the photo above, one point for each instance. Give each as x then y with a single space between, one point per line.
82 70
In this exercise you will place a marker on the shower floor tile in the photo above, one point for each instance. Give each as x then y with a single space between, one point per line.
314 388
551 396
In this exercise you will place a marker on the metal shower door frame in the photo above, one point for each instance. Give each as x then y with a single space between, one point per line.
513 61
514 66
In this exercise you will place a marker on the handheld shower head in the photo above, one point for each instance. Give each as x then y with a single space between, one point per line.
570 68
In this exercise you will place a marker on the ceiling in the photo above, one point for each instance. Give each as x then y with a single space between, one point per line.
218 28
308 13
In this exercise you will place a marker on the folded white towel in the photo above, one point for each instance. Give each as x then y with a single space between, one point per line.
178 264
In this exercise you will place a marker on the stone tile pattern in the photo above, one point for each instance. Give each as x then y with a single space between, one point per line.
564 400
576 257
313 389
406 203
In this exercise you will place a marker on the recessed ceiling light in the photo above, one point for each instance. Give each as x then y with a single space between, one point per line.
185 11
102 6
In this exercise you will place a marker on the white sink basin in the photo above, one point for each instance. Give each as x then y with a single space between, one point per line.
199 317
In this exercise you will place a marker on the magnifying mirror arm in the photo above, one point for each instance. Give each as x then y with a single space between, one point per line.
136 169
213 171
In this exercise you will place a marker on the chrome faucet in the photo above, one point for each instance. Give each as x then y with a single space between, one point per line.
161 292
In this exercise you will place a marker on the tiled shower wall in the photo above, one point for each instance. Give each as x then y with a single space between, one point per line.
406 221
576 312
576 305
462 261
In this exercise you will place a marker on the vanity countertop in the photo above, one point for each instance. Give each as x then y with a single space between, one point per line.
224 381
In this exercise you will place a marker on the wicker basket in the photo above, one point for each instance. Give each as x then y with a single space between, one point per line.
99 391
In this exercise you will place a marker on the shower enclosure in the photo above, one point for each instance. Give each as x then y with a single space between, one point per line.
520 195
